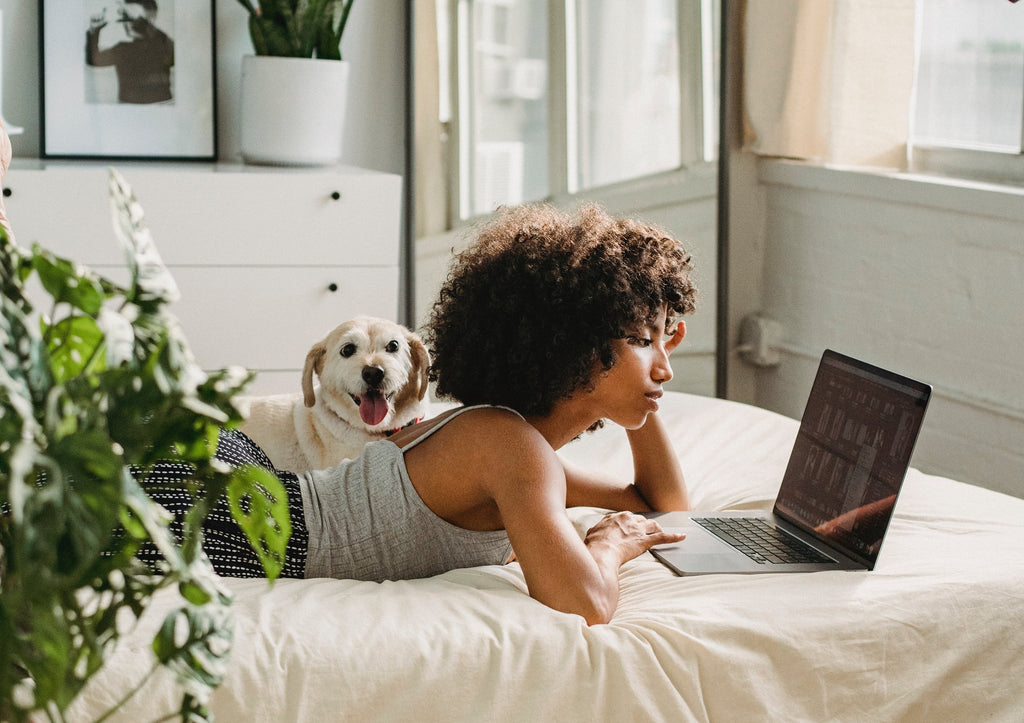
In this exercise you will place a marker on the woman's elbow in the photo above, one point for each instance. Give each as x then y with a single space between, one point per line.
594 609
599 617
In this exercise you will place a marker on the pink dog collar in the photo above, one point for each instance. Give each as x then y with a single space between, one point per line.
399 429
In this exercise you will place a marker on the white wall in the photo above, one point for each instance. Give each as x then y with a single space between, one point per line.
922 277
374 43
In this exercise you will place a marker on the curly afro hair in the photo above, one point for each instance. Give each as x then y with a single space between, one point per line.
528 313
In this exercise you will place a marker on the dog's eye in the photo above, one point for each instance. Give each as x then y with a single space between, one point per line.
348 350
392 347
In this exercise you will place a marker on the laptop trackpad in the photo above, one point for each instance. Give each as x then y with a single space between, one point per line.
698 540
700 552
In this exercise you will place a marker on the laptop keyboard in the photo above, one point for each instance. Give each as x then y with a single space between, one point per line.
759 541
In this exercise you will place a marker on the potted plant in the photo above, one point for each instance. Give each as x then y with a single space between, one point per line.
294 87
96 386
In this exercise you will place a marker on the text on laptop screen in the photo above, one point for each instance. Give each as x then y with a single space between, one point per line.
851 454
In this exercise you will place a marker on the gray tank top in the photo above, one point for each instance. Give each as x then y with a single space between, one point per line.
367 522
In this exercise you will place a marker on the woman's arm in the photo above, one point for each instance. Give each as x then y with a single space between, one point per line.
657 475
658 481
569 574
561 570
93 55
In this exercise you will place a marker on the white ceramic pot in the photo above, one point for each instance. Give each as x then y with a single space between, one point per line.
293 110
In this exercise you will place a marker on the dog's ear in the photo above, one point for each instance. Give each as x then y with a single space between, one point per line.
420 363
314 362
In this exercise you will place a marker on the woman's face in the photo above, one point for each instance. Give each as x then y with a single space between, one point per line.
630 390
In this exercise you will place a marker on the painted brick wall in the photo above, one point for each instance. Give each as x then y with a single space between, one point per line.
921 277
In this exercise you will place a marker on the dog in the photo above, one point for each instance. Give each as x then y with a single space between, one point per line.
372 376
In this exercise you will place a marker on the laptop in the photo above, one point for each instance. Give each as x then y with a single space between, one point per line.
840 487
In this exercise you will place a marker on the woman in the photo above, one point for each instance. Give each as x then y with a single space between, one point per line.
547 325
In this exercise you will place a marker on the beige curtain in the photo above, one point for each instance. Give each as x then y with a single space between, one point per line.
829 80
431 204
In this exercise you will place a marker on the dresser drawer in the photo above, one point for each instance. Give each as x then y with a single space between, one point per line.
215 214
267 319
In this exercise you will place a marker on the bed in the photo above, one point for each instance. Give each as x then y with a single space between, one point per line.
935 632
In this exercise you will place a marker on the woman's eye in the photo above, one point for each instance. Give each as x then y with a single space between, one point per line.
640 340
392 347
348 350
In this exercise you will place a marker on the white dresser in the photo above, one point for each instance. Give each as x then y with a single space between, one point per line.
268 260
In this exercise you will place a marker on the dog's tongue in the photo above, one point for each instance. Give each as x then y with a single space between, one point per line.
373 408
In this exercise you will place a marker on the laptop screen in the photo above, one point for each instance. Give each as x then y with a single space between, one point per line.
851 454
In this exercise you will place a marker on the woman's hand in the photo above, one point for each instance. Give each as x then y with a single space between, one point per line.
621 536
677 337
98 21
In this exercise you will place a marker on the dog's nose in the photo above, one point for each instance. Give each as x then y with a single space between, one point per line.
373 375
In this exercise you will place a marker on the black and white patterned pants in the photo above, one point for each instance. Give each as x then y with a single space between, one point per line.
223 540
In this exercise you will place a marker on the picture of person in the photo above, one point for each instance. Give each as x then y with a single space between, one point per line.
125 36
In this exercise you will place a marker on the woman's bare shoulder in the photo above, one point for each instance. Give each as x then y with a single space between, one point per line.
511 452
494 428
485 459
493 441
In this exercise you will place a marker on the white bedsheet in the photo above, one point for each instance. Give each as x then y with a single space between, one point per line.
934 633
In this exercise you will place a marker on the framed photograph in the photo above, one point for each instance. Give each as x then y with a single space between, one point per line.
128 79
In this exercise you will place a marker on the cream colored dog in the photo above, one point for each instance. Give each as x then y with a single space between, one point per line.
372 381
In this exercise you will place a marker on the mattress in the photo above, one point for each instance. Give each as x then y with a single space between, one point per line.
934 632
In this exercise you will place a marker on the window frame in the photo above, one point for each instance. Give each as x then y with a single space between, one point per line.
695 177
986 165
973 162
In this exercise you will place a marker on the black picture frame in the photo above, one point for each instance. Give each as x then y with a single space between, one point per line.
128 79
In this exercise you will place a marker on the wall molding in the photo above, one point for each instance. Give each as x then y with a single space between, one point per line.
957 396
947 194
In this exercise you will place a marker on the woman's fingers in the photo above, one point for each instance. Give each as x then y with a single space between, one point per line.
631 526
659 536
677 337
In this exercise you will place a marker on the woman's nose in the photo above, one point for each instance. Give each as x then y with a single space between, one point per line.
662 371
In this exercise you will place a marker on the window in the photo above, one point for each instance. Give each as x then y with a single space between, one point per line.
969 96
560 97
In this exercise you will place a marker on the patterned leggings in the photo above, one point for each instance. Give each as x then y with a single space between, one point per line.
223 540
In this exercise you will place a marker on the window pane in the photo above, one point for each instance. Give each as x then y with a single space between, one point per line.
711 63
504 103
624 90
970 82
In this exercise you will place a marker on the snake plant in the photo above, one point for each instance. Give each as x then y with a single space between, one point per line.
298 28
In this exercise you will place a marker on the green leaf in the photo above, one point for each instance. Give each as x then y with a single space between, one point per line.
69 282
118 334
75 343
151 280
194 643
310 17
19 445
298 28
14 269
259 504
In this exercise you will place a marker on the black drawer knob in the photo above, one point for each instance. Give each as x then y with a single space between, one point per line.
7 193
336 195
332 287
